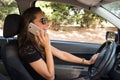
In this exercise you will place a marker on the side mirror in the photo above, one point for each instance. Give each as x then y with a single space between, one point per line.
111 36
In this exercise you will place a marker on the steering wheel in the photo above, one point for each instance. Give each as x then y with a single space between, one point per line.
105 60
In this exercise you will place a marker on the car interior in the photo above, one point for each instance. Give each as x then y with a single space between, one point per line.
107 66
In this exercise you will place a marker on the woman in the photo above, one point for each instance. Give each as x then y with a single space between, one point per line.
37 53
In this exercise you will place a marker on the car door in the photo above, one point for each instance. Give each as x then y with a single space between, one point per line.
66 70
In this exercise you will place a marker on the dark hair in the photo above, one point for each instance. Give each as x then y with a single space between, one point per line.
25 36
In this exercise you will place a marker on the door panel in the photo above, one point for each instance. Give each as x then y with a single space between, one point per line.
66 70
79 49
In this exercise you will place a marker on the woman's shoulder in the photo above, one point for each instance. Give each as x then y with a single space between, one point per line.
29 48
30 53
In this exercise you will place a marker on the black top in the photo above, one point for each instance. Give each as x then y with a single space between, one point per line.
30 54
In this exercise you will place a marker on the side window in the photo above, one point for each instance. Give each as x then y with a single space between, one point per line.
7 7
69 23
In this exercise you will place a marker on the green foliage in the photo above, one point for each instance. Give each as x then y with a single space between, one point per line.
58 14
62 14
7 7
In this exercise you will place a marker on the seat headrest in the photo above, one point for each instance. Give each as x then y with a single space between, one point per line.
12 25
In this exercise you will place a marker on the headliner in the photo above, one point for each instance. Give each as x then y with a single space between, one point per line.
87 4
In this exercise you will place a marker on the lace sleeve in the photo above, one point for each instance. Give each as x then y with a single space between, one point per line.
31 54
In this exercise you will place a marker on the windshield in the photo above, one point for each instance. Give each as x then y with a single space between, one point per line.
113 7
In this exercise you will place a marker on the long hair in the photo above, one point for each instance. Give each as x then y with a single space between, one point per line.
25 36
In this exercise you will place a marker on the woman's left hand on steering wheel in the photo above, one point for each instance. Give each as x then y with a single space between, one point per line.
93 59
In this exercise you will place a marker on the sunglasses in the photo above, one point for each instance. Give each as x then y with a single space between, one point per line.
43 20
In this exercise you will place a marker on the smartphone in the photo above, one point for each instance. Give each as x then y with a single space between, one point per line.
33 28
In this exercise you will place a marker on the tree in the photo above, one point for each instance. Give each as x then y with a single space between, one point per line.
58 14
7 7
62 14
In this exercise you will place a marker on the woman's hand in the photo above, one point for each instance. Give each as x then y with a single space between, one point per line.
93 59
43 37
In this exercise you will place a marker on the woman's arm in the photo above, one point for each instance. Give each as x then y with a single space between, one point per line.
71 58
46 69
41 68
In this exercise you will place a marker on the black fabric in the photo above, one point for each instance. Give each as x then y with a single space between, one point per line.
30 54
14 66
12 25
2 77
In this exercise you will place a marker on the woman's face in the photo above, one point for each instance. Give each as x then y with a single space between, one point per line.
41 21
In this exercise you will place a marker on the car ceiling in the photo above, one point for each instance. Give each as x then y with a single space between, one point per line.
94 2
23 4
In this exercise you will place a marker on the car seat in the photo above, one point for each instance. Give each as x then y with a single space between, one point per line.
9 52
3 77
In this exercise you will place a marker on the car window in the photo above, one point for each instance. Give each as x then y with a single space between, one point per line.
7 7
75 24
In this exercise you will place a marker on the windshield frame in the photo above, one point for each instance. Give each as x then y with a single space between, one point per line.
107 14
113 7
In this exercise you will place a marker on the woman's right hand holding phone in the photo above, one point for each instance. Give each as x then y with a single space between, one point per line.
45 42
43 38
